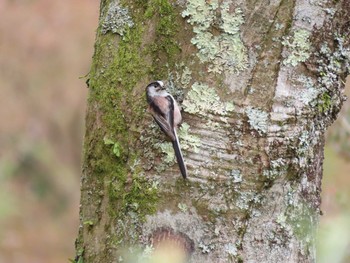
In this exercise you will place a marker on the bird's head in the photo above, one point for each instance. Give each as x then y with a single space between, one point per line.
155 87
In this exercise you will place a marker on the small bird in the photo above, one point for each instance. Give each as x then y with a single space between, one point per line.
165 111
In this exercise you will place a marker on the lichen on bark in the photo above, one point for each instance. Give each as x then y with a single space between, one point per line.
252 137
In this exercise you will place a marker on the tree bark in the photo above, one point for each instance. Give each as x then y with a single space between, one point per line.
259 82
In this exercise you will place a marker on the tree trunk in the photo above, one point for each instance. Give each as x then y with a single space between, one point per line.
259 82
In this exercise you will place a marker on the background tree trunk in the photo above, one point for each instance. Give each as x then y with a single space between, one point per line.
259 82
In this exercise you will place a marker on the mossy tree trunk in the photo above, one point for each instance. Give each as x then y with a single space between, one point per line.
259 82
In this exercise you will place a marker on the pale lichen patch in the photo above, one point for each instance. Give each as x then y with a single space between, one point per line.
333 63
188 141
167 149
298 47
236 175
310 93
245 199
202 99
223 52
258 119
231 249
117 20
178 81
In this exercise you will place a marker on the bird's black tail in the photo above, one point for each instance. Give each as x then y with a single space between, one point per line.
179 157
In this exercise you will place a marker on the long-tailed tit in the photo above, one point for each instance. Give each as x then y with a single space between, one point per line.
166 113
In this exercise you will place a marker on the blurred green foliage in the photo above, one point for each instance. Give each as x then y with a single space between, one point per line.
333 240
48 45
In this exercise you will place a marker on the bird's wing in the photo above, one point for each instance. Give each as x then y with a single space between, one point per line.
164 115
164 125
170 115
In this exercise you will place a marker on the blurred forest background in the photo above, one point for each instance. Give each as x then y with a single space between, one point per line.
45 47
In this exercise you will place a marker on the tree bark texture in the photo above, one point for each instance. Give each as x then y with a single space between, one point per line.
259 82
